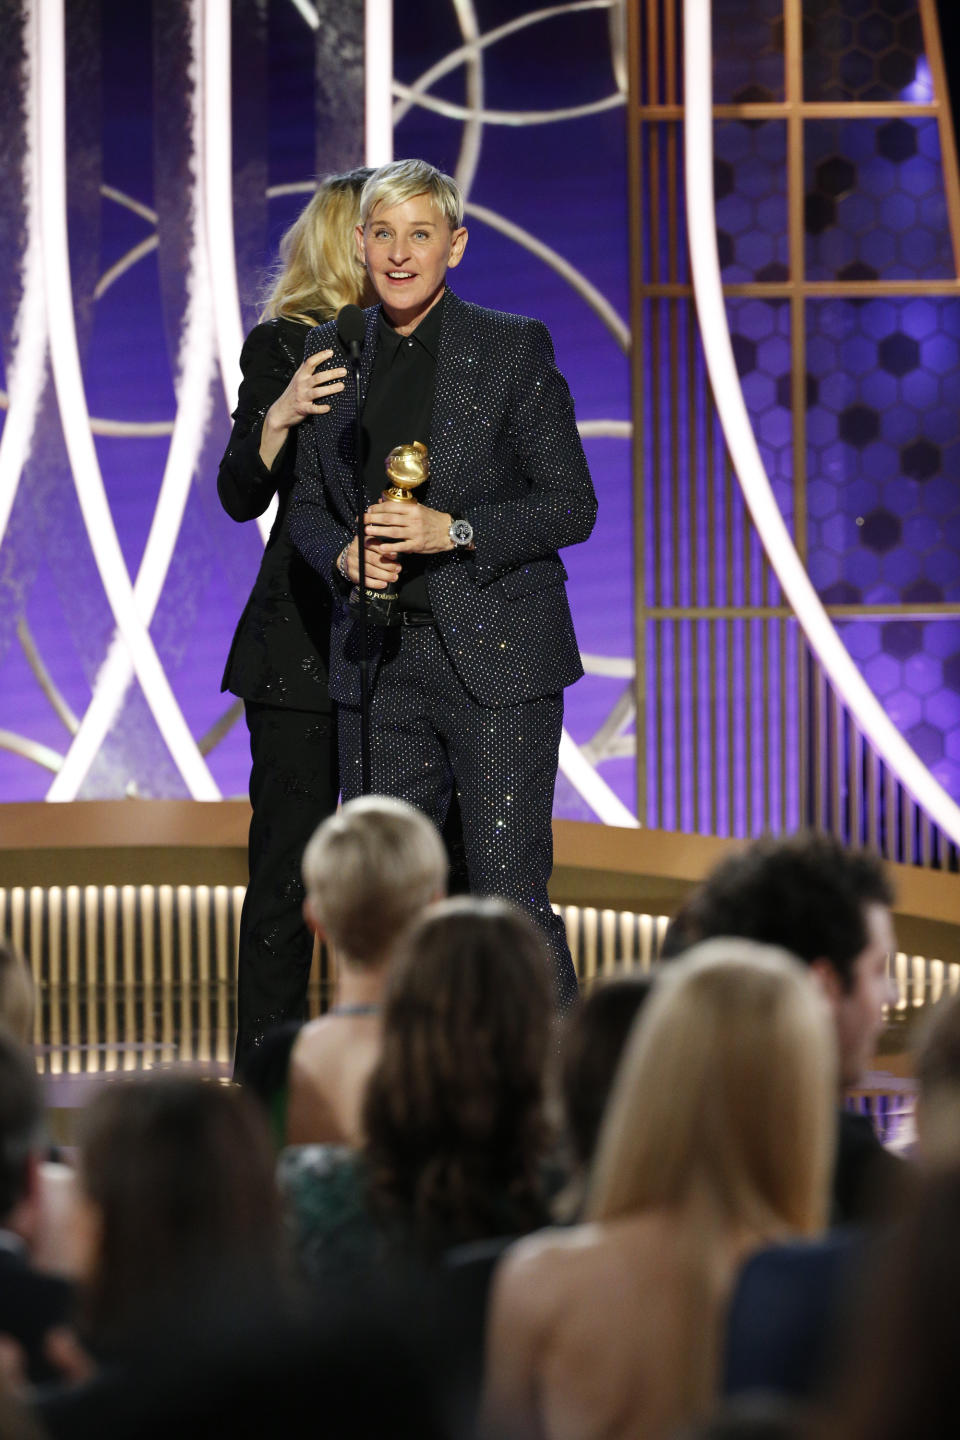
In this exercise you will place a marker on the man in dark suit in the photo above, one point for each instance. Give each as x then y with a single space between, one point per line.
830 906
467 690
31 1303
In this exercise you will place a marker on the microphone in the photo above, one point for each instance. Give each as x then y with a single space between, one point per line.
351 328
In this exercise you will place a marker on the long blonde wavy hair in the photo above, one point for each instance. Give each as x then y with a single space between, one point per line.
320 269
722 1116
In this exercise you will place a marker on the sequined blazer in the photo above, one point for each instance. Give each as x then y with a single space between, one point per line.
280 649
505 454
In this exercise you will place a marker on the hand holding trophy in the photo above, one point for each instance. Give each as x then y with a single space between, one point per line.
407 467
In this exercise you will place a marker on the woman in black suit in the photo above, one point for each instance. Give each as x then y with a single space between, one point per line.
278 660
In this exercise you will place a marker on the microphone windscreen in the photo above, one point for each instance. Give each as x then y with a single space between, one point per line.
351 326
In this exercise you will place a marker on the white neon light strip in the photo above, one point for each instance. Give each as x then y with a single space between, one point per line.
469 158
196 364
715 336
309 13
607 806
210 21
378 81
72 402
26 370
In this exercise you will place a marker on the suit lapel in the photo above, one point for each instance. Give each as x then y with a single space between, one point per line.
457 375
335 432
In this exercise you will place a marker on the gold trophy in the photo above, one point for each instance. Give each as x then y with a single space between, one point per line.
407 466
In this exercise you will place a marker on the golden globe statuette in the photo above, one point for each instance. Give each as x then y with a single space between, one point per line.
407 466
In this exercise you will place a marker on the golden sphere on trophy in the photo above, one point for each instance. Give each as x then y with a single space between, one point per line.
407 466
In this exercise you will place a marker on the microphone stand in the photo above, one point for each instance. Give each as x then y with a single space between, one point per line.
361 501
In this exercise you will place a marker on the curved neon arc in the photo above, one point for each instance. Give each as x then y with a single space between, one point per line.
465 52
577 281
453 111
606 805
850 685
196 364
72 401
212 42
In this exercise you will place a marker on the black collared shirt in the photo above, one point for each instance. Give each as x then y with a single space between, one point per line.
397 411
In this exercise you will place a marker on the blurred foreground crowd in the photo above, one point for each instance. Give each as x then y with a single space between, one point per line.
434 1212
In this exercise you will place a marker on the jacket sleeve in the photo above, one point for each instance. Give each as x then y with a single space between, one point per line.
558 506
318 533
245 485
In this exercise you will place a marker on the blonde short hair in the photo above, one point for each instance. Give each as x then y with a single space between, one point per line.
369 871
403 180
16 994
319 270
726 1095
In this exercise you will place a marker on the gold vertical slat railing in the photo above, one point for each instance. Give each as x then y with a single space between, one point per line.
202 936
128 908
184 978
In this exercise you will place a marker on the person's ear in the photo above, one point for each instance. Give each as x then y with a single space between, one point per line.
311 921
827 977
361 247
458 243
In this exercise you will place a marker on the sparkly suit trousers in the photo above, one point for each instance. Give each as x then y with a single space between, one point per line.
429 738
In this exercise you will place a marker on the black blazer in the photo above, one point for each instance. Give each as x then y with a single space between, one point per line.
505 453
31 1304
280 650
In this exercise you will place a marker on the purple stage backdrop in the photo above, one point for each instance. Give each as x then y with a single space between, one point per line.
541 148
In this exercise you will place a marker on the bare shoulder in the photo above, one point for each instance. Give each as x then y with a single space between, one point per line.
537 1266
313 1036
316 1045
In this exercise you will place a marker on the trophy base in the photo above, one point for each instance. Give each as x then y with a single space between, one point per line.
382 608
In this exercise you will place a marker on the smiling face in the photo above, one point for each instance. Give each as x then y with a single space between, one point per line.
408 249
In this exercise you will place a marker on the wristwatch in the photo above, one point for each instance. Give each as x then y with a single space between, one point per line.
460 532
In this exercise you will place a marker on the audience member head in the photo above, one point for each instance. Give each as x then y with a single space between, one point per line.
16 994
725 1096
368 872
593 1043
178 1193
319 268
21 1119
827 905
937 1070
454 1112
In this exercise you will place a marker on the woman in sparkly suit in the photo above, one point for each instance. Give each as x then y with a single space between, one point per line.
278 660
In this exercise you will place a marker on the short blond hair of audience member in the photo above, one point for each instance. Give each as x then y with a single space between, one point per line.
319 269
718 1139
16 994
369 871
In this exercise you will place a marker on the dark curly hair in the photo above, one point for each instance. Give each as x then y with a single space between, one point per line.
454 1114
806 893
